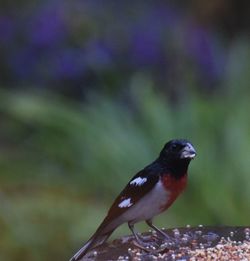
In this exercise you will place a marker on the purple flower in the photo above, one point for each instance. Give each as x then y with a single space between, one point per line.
202 47
98 55
47 26
69 63
7 29
23 63
146 47
150 33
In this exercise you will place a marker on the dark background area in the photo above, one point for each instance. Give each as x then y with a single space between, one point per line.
89 93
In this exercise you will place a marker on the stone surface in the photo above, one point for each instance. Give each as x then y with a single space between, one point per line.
197 243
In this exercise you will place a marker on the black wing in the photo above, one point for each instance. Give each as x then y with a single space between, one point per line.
137 187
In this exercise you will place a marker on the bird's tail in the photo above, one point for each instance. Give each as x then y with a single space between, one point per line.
100 236
91 243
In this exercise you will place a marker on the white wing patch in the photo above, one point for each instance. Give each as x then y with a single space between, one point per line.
148 206
138 181
126 203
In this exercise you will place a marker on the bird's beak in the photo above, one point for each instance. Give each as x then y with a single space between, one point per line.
188 152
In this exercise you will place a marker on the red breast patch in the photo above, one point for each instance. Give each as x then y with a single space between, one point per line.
174 188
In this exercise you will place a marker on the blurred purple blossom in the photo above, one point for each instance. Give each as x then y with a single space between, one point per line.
69 64
146 47
98 55
57 40
163 18
202 47
149 35
7 29
47 26
23 64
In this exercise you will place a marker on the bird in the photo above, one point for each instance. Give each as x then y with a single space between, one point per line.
150 192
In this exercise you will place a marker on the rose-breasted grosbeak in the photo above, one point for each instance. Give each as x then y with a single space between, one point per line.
151 191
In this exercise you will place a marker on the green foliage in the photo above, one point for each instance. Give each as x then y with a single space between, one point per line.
62 163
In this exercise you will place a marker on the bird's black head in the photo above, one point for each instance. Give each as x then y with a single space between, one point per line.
176 156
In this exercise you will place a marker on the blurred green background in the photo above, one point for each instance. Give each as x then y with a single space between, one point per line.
89 93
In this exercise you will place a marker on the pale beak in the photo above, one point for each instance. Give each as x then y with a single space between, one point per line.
188 152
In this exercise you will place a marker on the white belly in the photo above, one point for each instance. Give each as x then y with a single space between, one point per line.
149 206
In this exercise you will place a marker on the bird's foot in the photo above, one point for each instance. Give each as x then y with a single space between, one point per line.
155 243
158 231
152 247
145 246
147 238
166 239
162 235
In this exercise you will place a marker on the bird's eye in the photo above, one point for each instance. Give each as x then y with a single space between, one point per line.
174 146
